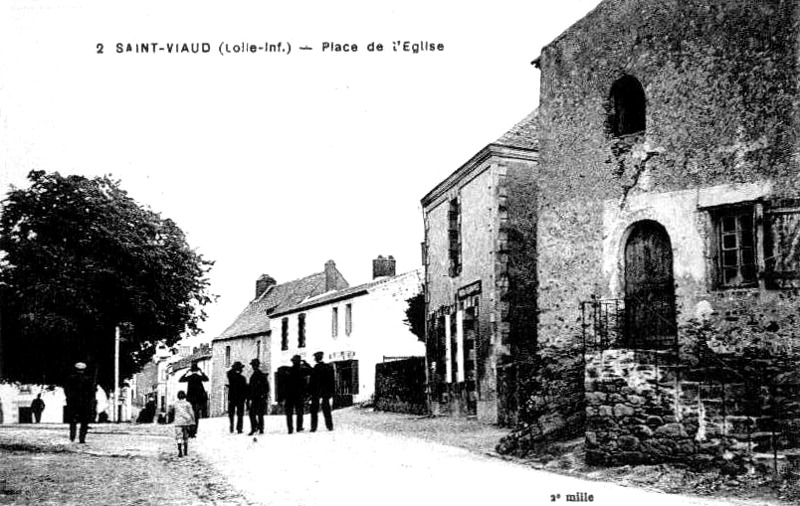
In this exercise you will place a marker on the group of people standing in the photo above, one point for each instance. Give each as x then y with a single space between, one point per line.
295 385
300 381
254 394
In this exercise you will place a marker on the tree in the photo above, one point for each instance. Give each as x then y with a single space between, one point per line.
415 315
79 257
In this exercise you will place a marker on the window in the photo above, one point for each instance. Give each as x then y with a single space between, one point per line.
736 257
755 245
626 107
348 319
334 321
284 334
454 234
301 330
227 356
258 348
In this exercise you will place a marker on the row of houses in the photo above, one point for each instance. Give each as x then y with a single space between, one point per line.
356 327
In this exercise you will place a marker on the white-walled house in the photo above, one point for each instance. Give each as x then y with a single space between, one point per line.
175 370
15 403
151 382
248 337
356 328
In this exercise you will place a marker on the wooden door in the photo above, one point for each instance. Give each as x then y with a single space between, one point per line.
649 288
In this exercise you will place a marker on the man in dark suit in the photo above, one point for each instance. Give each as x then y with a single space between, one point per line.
237 395
37 406
80 393
258 395
294 391
322 387
195 393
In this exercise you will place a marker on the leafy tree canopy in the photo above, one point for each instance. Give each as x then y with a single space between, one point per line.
79 257
415 315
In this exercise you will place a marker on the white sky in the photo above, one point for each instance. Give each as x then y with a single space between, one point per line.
270 163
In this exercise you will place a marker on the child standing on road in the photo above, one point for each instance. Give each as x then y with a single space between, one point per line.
184 420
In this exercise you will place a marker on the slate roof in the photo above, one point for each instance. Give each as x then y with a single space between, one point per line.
254 319
202 353
345 293
524 134
520 142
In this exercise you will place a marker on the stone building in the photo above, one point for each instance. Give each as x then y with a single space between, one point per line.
356 328
248 337
478 257
669 221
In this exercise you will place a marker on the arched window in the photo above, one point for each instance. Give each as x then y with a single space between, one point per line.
627 107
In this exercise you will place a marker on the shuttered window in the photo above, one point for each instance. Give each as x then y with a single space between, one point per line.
782 244
758 244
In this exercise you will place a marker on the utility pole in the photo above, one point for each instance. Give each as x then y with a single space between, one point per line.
115 407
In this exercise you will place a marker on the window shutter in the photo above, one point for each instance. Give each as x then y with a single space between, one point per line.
354 365
782 244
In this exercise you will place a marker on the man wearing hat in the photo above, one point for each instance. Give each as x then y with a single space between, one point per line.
80 393
295 392
195 393
237 395
322 386
258 394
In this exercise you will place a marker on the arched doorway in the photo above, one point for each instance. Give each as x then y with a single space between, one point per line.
649 288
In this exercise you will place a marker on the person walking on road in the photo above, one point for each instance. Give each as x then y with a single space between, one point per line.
322 387
294 392
184 421
37 406
80 393
237 395
195 393
258 396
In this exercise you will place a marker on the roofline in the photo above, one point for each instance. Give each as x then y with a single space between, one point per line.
491 150
563 34
242 336
261 297
189 361
358 292
311 305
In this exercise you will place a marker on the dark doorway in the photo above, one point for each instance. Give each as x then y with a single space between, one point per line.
346 378
649 288
25 415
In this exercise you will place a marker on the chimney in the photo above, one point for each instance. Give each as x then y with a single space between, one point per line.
263 283
383 267
330 276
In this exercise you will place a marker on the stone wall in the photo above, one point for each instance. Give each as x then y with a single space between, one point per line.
652 407
633 412
400 386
